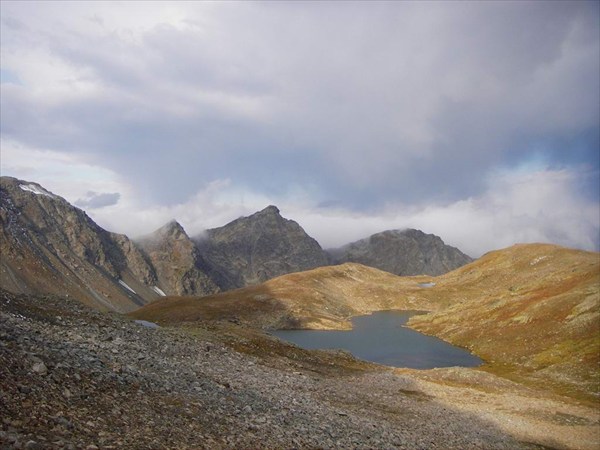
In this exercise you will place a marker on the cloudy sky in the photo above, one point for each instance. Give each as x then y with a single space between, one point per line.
478 122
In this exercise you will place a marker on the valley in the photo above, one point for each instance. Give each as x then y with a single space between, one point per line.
78 372
500 307
76 378
539 345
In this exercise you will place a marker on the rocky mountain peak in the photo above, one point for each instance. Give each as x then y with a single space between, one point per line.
403 252
177 261
271 209
270 214
171 229
48 245
253 249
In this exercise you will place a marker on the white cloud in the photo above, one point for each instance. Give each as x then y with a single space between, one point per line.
541 206
528 204
398 112
517 207
63 173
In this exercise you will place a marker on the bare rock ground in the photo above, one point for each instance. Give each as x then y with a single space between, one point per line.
71 377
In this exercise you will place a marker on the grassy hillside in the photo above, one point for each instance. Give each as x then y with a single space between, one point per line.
323 298
532 312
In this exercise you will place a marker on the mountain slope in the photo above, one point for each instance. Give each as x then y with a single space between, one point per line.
532 312
177 262
253 249
74 378
322 298
403 252
50 246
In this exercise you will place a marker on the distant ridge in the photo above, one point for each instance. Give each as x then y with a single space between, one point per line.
253 249
403 252
50 246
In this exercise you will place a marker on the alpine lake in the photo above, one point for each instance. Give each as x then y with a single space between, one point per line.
384 338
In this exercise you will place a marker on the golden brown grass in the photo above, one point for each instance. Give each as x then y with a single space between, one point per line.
532 312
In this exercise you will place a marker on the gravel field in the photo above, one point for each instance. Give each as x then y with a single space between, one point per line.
75 378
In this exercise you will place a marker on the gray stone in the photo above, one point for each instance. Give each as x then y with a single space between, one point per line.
40 368
251 250
177 261
403 252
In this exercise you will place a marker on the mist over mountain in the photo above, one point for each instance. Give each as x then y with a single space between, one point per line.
253 249
177 261
529 311
50 246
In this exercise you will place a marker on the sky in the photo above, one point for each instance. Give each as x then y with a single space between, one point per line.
475 121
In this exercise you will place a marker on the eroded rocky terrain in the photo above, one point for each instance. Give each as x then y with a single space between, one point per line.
72 377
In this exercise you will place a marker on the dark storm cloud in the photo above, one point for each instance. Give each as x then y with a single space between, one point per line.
362 104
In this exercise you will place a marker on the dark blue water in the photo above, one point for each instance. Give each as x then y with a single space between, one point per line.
382 338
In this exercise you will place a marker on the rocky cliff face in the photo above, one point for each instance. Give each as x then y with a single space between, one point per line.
403 252
177 262
253 249
49 246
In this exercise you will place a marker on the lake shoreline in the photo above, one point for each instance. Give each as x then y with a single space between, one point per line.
382 337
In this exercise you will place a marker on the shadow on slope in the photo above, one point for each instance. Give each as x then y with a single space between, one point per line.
366 406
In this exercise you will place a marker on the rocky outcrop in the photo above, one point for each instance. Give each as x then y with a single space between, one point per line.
177 262
49 246
403 252
253 249
75 378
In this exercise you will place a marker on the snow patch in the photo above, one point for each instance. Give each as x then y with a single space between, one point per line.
146 324
37 190
122 283
159 291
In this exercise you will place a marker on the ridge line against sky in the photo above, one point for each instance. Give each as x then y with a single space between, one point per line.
476 121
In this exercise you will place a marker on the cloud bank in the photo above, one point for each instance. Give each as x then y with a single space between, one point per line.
443 116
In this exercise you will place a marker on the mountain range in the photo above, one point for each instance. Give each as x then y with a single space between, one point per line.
530 312
51 246
253 249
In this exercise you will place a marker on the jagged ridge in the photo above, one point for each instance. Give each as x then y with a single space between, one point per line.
50 246
177 261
